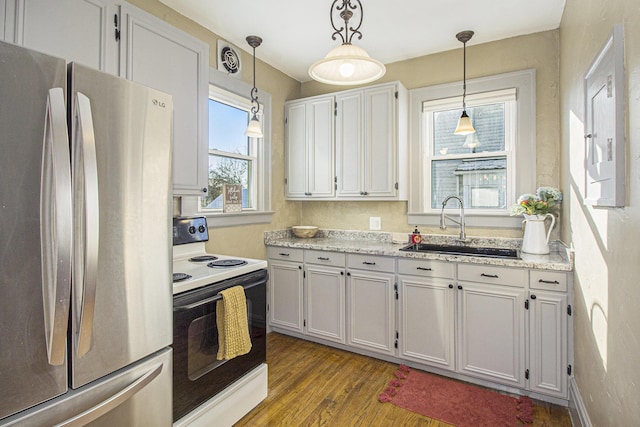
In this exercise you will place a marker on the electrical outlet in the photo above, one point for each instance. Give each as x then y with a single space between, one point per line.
374 223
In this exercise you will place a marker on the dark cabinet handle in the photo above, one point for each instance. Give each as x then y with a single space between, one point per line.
450 286
205 189
342 273
551 282
323 258
368 263
493 276
299 267
349 274
284 254
459 286
423 268
533 297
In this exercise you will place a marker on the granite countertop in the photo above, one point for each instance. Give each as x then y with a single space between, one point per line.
380 243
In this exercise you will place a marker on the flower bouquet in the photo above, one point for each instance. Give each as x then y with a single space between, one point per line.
543 202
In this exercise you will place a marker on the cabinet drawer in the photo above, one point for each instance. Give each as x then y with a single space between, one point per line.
285 254
371 262
335 259
548 280
492 274
427 268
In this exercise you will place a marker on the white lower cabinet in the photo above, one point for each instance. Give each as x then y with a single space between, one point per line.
502 325
492 332
285 288
325 295
371 303
548 365
427 312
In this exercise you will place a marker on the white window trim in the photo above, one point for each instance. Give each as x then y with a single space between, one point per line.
261 213
419 211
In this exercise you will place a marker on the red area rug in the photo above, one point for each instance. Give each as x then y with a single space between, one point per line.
454 402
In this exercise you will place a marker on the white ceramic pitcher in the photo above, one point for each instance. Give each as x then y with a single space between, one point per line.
536 238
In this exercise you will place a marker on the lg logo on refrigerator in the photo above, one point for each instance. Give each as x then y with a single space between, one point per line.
157 103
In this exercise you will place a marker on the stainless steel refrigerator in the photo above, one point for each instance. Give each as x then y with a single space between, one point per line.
85 246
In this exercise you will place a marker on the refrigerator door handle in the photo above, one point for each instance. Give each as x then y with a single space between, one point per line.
55 226
112 402
86 230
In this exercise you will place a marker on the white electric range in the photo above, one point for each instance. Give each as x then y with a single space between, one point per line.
193 267
208 391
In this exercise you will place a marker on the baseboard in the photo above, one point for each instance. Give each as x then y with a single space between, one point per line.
577 410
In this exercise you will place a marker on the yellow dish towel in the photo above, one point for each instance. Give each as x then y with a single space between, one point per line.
233 325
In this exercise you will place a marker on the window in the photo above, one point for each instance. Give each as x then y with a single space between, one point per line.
488 169
474 167
233 157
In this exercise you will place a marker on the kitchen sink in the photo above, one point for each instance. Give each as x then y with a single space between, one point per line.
463 250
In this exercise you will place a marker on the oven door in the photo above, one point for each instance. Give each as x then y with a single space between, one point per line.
197 374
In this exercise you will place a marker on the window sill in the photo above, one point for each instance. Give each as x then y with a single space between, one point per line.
220 220
471 219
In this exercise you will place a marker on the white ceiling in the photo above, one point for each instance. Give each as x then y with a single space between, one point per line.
296 33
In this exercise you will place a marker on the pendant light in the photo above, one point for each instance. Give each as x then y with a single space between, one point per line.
465 127
346 64
254 130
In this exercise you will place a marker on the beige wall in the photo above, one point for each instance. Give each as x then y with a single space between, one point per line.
246 240
607 290
539 51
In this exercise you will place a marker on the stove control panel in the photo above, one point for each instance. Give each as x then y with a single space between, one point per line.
189 230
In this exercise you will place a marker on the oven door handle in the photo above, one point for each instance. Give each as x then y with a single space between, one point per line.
212 299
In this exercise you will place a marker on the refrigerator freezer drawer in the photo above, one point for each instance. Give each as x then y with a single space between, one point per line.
139 395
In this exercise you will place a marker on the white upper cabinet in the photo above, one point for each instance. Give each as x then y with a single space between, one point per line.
371 143
309 146
120 39
370 159
82 31
164 58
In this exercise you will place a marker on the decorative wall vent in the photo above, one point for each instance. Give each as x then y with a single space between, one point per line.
229 59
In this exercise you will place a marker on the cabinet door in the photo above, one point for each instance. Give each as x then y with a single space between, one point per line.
427 321
325 303
164 58
76 30
296 149
285 295
491 331
380 136
320 150
349 145
548 343
371 311
310 154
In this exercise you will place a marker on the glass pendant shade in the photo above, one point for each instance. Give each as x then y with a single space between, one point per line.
254 130
464 125
347 64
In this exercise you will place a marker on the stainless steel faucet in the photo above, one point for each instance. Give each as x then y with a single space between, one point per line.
443 226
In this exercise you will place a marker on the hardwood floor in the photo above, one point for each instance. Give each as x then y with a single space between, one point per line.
315 385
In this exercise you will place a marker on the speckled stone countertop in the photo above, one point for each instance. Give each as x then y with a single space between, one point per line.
380 243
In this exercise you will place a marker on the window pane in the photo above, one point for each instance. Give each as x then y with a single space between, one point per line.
226 170
226 128
488 120
481 183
